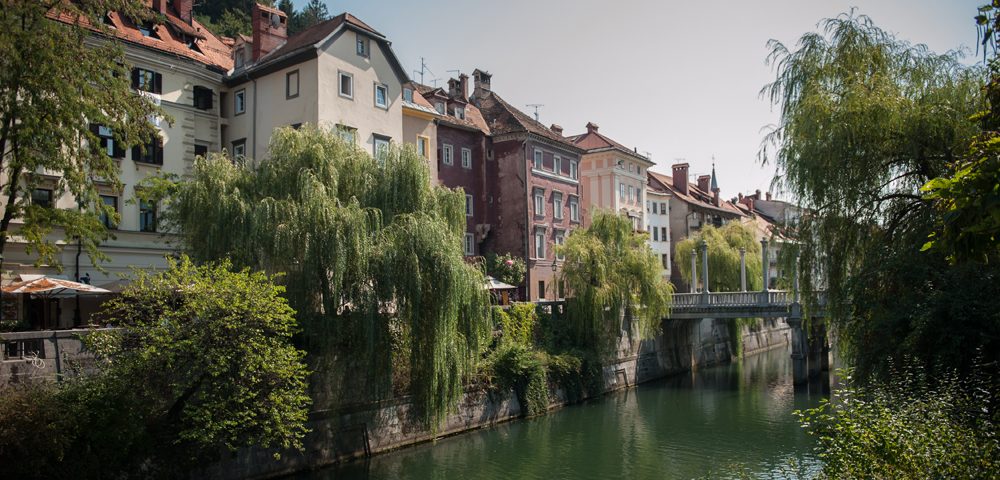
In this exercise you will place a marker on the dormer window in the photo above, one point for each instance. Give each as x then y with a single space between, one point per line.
362 46
148 29
460 113
408 95
439 106
240 57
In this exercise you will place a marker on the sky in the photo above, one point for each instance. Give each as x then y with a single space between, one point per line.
677 79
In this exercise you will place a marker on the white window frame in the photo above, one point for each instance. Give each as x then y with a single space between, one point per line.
469 245
467 158
573 172
538 159
460 113
362 46
440 107
469 206
408 95
557 164
385 88
423 146
631 193
539 203
539 243
340 84
447 155
348 134
379 140
560 239
240 102
557 205
621 191
574 209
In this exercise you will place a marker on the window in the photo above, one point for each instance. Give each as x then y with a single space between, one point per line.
541 289
381 96
538 159
446 156
362 45
147 80
560 239
539 203
468 205
423 146
240 57
296 126
631 167
539 243
240 101
574 209
663 234
470 244
203 97
239 150
648 206
42 197
656 234
557 164
151 153
666 261
631 193
408 95
663 208
466 158
348 134
439 107
460 113
292 84
557 205
147 216
201 150
621 191
572 169
111 202
381 147
108 144
346 85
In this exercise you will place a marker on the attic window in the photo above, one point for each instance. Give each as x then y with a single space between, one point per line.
460 113
439 106
408 95
362 46
109 21
148 29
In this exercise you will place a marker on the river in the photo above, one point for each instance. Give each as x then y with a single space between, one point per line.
710 423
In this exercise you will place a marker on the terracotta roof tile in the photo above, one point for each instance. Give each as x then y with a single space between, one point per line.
597 141
503 118
696 196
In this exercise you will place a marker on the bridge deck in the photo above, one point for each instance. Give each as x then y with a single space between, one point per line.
770 304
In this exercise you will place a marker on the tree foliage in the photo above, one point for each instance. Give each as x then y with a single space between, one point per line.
506 268
866 120
610 271
724 246
56 81
201 363
367 247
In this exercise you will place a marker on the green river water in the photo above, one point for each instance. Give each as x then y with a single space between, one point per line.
697 425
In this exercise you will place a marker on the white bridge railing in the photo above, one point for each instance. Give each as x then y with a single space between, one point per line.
773 303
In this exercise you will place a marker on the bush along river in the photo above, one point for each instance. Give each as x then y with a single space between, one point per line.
721 421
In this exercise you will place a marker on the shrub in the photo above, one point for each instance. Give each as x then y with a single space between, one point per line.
514 366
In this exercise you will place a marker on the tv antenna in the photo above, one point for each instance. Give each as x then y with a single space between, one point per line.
536 106
424 69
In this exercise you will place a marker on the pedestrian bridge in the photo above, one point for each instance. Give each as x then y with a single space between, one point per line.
763 304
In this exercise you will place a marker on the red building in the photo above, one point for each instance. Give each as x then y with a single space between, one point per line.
531 188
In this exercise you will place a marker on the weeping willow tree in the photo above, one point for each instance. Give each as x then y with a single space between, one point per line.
369 252
612 274
724 245
866 119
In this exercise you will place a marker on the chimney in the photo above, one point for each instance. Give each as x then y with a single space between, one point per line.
556 129
270 30
740 196
767 195
592 127
756 196
703 182
715 197
680 177
160 6
747 200
453 88
463 86
481 82
184 8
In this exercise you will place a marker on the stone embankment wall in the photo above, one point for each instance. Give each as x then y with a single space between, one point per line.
364 430
27 356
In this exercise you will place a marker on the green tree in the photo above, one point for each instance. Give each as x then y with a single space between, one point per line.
231 23
610 271
506 268
58 81
723 256
314 12
866 120
369 250
201 363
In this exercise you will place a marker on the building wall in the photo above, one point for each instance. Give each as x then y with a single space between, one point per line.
360 111
418 125
661 245
601 176
507 215
468 179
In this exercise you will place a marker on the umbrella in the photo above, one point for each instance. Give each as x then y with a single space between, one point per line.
494 284
48 287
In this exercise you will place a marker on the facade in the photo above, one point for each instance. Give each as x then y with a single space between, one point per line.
773 220
339 74
691 206
461 162
179 65
613 176
420 127
658 223
533 189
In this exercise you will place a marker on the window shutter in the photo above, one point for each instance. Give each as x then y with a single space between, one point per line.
135 78
157 83
95 129
119 151
136 153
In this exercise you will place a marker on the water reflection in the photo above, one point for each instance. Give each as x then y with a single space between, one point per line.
684 427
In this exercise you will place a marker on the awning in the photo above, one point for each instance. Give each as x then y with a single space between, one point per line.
49 287
494 284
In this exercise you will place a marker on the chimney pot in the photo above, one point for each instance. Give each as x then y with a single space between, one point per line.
463 86
680 177
703 181
715 197
767 195
453 88
592 127
557 129
481 82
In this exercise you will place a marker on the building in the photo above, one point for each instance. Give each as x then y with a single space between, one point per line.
532 189
463 141
613 176
692 206
775 221
658 222
340 73
420 127
181 66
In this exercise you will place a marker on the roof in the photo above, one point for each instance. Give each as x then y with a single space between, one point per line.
309 40
420 104
595 141
696 196
503 118
473 116
209 48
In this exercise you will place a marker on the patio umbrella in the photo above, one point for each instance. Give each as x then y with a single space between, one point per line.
48 287
494 284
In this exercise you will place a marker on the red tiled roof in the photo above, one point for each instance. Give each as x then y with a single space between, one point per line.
597 141
696 196
473 116
503 118
210 49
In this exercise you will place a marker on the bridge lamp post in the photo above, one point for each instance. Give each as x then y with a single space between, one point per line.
694 270
765 267
743 269
704 265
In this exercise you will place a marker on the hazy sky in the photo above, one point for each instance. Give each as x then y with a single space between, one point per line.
677 79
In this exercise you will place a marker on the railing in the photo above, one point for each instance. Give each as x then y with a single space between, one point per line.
773 303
